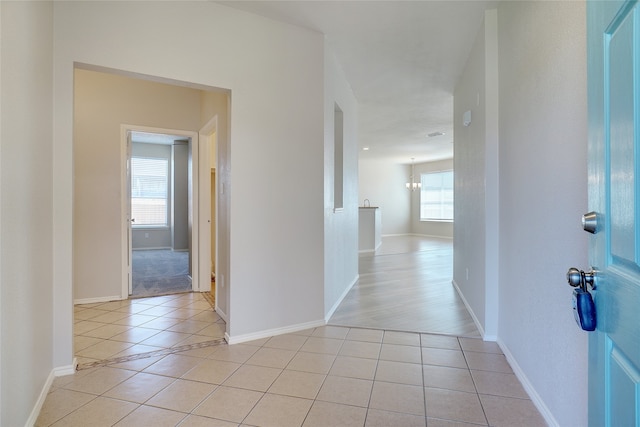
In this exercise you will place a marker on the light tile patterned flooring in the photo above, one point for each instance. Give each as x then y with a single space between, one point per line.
161 361
123 328
329 376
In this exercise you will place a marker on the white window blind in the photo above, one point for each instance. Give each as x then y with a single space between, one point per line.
149 191
436 196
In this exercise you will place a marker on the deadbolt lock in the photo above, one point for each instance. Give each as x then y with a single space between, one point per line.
590 222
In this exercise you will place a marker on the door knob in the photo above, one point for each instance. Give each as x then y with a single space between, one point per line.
584 309
578 278
574 277
590 222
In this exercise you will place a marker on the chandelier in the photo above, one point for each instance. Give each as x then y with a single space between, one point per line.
411 185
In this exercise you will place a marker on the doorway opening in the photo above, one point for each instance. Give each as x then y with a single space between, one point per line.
112 110
159 211
109 106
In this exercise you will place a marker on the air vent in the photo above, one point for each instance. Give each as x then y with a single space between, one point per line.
432 134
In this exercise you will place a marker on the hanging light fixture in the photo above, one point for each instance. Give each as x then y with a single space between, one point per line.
411 185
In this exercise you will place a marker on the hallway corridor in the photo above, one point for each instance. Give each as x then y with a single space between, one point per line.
406 286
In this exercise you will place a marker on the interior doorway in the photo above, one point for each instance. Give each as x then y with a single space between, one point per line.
108 105
159 189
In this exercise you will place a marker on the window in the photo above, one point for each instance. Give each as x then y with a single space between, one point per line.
436 196
149 190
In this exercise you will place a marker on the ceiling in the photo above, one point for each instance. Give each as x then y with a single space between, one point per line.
402 59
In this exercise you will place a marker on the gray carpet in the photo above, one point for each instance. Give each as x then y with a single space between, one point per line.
159 272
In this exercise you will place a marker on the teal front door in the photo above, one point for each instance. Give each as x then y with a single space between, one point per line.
613 29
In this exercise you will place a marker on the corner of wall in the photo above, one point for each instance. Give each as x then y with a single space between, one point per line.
340 227
470 185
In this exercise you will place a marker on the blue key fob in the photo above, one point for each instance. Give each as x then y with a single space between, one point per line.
584 309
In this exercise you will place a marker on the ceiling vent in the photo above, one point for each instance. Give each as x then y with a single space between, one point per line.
432 134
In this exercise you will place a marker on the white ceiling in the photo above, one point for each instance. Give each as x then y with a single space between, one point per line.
402 58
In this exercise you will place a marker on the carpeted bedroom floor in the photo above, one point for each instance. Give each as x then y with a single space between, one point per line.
159 272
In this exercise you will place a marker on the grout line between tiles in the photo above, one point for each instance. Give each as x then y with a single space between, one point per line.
473 380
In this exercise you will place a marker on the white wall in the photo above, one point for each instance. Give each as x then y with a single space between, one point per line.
340 227
428 228
476 185
276 217
26 228
543 194
383 183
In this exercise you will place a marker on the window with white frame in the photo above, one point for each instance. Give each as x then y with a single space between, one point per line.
149 191
436 196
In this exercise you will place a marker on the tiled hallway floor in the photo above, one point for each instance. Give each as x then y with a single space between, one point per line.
122 328
329 376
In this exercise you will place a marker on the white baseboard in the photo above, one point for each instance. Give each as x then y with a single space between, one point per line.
97 299
528 387
473 315
55 372
432 236
273 332
221 313
339 301
419 235
531 391
62 371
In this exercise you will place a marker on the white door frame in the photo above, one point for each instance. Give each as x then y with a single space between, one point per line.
124 191
204 196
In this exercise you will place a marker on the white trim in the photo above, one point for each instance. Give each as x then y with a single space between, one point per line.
528 387
273 332
339 301
418 235
124 212
35 412
55 372
98 299
205 140
62 371
431 235
221 313
473 315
